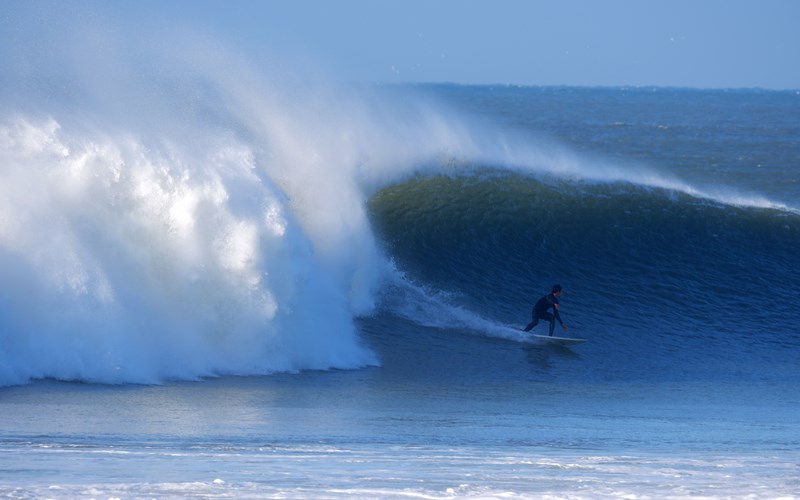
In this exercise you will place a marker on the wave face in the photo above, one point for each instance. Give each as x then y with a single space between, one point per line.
667 284
168 211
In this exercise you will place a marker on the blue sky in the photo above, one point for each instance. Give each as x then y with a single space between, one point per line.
687 43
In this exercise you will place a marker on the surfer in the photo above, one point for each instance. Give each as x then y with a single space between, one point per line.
540 310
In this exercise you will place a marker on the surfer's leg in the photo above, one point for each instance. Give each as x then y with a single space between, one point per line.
534 321
552 320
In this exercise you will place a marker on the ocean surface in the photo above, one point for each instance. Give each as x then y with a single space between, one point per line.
218 283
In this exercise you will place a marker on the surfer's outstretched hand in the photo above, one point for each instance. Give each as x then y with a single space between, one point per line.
564 327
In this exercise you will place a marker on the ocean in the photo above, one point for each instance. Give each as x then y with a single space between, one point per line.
220 284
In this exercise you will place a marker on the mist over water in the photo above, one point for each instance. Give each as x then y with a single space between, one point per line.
168 211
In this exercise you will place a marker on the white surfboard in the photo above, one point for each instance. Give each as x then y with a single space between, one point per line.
546 339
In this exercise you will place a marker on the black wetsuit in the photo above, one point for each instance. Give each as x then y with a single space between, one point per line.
540 312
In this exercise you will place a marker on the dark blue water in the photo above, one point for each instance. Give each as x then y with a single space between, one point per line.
669 284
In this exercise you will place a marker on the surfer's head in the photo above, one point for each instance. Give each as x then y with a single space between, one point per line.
557 289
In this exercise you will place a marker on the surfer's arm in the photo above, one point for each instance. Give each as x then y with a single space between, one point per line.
558 316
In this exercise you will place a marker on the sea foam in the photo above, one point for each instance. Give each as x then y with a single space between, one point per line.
174 214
